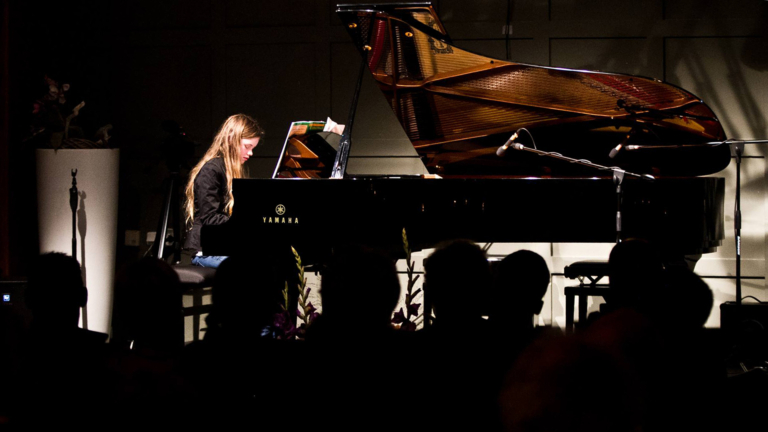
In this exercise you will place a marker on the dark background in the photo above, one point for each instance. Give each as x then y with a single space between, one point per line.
198 61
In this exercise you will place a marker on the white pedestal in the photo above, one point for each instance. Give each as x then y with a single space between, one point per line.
97 178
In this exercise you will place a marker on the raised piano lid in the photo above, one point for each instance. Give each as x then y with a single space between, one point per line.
458 107
380 146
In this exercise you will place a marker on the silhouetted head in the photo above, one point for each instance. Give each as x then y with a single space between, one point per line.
687 300
360 285
148 305
635 267
457 279
55 291
247 292
520 282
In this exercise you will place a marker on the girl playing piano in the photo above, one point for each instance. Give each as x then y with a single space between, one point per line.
208 193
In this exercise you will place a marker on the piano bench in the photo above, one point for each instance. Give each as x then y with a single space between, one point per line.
589 273
196 282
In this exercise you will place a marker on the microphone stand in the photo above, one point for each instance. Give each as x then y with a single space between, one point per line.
618 176
738 151
729 142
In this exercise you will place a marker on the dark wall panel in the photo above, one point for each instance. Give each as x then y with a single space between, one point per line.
165 14
468 11
157 84
713 9
285 13
638 10
718 70
634 56
276 83
528 10
160 83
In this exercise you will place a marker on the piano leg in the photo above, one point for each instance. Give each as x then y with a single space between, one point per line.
583 309
569 294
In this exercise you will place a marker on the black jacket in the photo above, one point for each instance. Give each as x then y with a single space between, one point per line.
210 199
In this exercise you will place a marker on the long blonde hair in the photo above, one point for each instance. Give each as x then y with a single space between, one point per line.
226 145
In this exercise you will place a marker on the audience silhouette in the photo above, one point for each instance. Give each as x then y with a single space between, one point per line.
238 369
147 338
360 289
64 370
457 282
635 270
359 375
644 362
460 370
147 307
247 292
520 283
55 293
655 322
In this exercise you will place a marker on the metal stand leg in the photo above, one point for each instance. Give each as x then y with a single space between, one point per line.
738 149
569 311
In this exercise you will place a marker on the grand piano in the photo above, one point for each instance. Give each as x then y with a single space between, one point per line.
457 108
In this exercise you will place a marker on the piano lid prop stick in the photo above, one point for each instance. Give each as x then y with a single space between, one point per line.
340 164
584 162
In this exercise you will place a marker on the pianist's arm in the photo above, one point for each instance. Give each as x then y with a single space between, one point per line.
210 193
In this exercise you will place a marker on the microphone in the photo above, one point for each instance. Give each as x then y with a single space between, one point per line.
656 147
503 149
618 148
615 150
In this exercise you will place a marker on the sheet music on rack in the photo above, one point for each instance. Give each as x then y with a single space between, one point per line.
306 127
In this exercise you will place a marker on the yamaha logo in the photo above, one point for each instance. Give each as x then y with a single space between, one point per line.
280 218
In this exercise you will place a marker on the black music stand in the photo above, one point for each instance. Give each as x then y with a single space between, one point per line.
177 149
171 207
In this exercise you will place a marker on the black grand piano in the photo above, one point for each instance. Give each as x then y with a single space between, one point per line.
457 108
